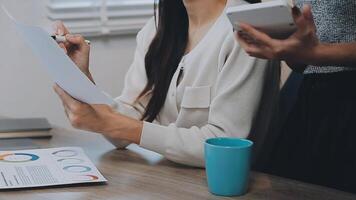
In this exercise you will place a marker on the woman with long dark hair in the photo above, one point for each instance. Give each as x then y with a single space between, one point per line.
189 81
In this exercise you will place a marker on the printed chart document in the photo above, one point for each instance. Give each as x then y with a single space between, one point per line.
62 69
46 167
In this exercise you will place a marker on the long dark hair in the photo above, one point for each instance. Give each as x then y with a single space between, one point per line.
165 52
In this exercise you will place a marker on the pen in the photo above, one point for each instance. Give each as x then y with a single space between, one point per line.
62 38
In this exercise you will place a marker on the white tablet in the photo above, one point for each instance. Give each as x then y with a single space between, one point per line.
273 17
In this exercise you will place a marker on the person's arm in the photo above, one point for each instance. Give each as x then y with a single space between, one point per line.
136 77
336 54
127 110
301 49
101 119
238 92
135 82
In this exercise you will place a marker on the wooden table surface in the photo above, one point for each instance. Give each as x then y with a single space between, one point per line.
139 174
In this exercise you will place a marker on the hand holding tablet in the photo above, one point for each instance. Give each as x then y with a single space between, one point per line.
273 18
298 47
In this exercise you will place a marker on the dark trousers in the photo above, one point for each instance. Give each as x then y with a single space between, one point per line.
317 143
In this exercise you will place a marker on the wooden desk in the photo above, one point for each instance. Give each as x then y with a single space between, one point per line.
139 174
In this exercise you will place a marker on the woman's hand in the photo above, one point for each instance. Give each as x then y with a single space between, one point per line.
298 50
75 47
100 118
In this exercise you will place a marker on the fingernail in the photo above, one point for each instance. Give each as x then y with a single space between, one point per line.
64 49
60 32
296 11
308 12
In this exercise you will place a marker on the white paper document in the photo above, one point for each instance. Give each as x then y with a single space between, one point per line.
46 167
62 69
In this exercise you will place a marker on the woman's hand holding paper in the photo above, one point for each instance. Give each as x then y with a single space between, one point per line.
100 118
75 47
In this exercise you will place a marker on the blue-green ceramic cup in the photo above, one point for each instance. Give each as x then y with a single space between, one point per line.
227 163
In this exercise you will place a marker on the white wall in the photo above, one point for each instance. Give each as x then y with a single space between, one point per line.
26 89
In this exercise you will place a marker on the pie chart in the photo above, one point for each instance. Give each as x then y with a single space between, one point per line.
86 178
77 168
67 161
65 153
18 157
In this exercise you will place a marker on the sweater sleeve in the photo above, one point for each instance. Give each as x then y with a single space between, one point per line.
135 81
237 96
136 78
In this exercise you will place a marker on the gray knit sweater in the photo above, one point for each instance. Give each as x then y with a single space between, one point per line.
336 23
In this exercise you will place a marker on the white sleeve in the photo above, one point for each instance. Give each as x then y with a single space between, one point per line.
135 81
136 78
232 111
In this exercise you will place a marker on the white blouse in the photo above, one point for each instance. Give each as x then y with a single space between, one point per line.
218 95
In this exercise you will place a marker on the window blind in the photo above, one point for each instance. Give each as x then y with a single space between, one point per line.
101 17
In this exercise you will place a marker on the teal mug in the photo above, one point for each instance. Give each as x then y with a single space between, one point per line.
227 163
